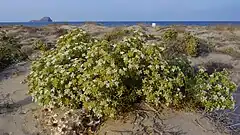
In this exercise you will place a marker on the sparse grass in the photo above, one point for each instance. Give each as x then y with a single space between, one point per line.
143 26
226 28
40 45
186 44
27 49
231 51
180 29
117 34
60 32
158 28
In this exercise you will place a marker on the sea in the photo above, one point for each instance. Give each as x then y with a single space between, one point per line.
125 23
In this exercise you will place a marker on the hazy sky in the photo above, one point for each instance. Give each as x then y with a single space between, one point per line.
114 10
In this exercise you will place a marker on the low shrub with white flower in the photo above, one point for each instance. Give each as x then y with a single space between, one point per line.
214 91
106 78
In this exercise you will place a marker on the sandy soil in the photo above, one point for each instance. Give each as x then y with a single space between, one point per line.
16 107
168 122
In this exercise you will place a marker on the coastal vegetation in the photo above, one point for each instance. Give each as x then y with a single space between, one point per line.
184 44
107 77
116 35
10 52
40 45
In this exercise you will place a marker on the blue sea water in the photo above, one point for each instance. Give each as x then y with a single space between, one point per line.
127 23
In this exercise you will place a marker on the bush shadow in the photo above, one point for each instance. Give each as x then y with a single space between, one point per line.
211 67
7 105
204 48
14 70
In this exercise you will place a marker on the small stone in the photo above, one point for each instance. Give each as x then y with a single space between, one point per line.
10 133
23 112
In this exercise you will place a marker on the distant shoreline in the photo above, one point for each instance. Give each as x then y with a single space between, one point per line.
124 23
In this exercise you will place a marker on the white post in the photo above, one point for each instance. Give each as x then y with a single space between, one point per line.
153 24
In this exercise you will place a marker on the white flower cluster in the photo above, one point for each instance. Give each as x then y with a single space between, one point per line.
215 90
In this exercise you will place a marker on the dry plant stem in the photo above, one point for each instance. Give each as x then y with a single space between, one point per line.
200 125
152 109
223 122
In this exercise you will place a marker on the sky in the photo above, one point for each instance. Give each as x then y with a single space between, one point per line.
120 10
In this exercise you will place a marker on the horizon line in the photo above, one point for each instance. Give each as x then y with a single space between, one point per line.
124 21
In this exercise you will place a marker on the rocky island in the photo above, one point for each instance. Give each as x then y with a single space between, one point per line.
44 19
